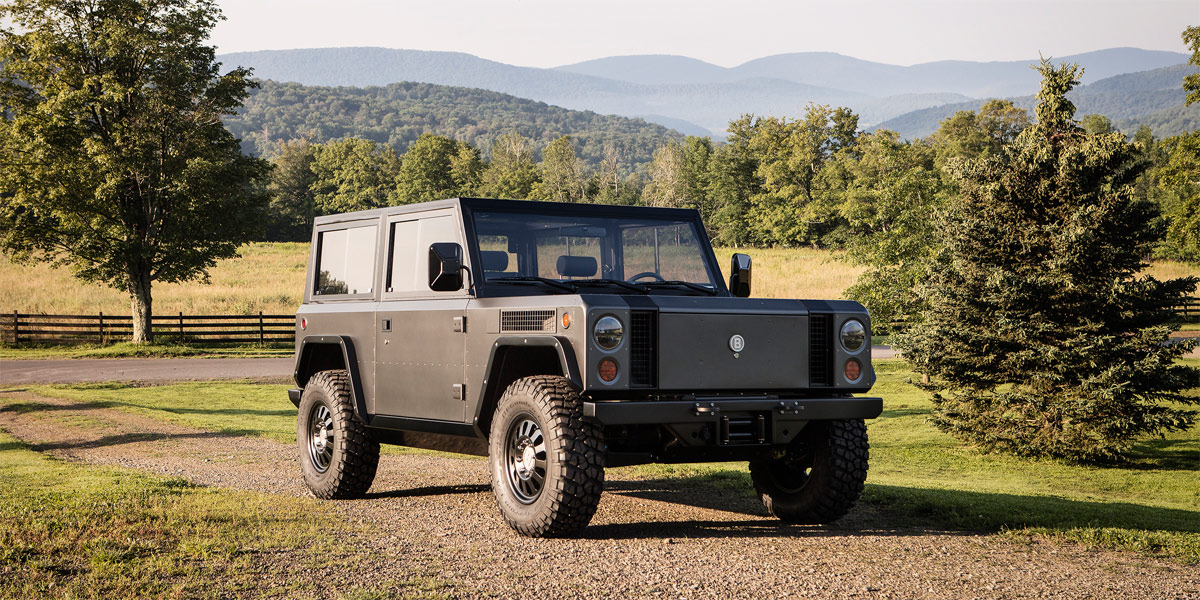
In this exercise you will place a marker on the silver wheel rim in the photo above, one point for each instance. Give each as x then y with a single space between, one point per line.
320 437
525 459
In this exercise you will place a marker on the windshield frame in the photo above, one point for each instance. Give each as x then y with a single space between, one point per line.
493 288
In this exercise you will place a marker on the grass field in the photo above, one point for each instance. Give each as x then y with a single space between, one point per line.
82 531
269 277
919 477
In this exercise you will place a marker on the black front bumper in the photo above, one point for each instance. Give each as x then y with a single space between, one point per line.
706 410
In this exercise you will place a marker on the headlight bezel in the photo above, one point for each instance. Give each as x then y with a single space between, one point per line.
607 337
852 335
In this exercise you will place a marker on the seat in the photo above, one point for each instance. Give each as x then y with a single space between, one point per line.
576 266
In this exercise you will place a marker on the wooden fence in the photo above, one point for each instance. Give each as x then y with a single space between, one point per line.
20 328
1189 310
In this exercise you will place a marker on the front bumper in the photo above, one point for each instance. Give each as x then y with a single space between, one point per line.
707 410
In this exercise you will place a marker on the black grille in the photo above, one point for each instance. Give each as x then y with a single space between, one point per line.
527 320
820 349
643 339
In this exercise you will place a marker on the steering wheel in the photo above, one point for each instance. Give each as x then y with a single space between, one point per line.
656 276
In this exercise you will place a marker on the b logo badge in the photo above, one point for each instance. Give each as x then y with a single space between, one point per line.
737 343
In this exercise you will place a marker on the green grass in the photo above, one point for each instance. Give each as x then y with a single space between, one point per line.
919 477
76 531
130 350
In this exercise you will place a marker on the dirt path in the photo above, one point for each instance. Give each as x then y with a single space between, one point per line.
666 539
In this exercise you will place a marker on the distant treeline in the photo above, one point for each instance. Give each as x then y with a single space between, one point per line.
814 181
398 114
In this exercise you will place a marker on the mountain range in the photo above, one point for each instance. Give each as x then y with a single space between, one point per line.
700 98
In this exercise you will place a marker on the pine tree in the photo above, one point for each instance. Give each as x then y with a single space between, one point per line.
1040 335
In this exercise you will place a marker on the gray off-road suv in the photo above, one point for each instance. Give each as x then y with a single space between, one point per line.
557 339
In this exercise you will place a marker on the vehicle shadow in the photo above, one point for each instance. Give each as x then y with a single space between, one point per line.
436 490
883 510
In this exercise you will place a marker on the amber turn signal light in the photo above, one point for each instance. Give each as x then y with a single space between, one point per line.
566 320
852 370
607 370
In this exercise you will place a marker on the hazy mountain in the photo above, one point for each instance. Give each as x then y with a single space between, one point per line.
1165 123
827 69
399 113
700 97
1129 97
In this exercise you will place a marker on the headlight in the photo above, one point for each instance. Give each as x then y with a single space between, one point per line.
854 335
608 332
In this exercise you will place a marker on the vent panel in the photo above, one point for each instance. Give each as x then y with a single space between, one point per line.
820 350
643 344
527 321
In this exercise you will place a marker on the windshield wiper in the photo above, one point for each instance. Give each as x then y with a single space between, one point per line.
554 283
677 283
616 282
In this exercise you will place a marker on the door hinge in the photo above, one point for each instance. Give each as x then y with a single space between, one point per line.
460 324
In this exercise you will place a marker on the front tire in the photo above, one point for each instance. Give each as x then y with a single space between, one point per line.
337 456
819 477
545 458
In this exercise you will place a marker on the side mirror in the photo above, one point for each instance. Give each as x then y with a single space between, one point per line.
445 267
739 276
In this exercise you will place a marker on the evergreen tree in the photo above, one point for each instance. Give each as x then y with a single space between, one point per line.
1040 335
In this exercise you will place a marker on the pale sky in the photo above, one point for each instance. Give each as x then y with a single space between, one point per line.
546 33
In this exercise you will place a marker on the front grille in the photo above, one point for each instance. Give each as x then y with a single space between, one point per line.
517 321
820 350
643 339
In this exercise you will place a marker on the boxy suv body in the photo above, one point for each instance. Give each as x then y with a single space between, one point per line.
557 339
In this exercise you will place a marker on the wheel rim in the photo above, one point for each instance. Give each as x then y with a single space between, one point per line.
525 459
791 472
320 437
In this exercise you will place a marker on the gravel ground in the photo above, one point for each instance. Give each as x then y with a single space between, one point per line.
654 539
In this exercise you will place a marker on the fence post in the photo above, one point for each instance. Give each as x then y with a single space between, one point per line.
181 327
261 335
100 332
16 328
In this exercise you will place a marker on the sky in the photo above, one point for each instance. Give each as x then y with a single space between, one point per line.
547 33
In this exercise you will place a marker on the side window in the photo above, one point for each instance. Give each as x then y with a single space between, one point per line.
345 261
409 258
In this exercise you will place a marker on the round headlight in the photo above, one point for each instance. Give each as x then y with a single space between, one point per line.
608 332
854 335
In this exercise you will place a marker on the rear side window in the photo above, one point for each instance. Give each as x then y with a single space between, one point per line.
346 261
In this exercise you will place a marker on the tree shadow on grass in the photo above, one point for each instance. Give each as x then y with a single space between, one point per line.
28 407
133 438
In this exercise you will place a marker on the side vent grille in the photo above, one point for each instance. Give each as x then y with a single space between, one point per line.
820 349
525 321
643 341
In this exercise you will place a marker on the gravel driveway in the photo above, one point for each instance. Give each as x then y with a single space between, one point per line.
660 538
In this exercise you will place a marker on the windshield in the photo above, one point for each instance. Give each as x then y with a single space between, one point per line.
581 251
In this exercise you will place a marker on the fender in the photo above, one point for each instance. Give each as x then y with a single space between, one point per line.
350 360
566 360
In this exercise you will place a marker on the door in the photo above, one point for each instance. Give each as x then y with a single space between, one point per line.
420 342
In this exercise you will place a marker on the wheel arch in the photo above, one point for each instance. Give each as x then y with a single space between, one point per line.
324 352
515 357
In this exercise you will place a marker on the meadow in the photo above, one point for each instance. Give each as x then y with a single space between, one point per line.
269 277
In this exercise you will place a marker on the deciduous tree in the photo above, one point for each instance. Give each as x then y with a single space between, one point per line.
114 158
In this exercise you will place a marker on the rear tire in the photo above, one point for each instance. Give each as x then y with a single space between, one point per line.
545 458
819 477
337 456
